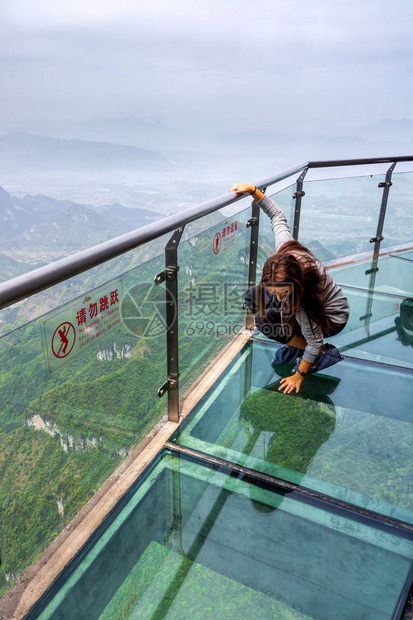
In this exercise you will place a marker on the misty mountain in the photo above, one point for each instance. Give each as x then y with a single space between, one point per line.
24 152
334 142
130 130
20 214
295 146
43 222
391 130
394 130
133 218
76 227
275 137
10 268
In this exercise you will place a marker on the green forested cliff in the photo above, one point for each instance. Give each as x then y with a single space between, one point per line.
63 433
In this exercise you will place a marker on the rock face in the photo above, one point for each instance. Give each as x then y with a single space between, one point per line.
60 507
106 355
67 441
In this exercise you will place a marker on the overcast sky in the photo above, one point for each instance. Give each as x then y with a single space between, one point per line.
246 64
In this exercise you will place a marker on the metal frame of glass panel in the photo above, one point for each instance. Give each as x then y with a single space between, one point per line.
38 280
234 473
33 282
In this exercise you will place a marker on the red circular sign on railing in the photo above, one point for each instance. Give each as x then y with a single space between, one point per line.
217 243
63 340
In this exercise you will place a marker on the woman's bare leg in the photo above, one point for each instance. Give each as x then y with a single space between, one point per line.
300 342
297 341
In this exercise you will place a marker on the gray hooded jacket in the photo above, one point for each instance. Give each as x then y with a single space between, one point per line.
336 304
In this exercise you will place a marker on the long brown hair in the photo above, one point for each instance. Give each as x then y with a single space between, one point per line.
294 264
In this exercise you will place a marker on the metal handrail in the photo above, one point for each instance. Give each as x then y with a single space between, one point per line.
358 162
33 282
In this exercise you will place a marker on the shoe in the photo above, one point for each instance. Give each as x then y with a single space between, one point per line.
405 335
285 354
330 356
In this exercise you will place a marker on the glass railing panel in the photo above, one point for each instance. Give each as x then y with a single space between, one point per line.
372 316
78 389
284 199
266 243
377 310
339 216
346 434
379 328
213 279
47 300
219 546
398 224
388 275
404 256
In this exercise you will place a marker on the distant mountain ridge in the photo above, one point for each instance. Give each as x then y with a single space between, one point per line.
10 268
130 130
21 151
392 129
46 223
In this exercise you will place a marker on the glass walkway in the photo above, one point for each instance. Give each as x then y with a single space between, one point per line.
200 541
260 504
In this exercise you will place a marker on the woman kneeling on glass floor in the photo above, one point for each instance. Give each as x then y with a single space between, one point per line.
297 302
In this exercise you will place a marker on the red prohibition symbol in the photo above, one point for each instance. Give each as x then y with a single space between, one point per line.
63 340
217 243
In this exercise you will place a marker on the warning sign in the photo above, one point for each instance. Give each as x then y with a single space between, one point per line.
217 243
224 238
77 325
61 346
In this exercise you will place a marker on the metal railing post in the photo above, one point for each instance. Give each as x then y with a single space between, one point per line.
170 276
386 185
386 189
254 224
298 194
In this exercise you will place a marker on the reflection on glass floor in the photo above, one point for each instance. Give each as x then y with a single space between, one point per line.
380 327
391 276
194 542
348 434
384 343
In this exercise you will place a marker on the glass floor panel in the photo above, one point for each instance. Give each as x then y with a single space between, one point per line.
394 276
348 434
194 542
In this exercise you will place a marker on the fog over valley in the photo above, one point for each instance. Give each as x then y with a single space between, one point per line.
116 107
